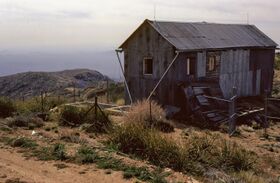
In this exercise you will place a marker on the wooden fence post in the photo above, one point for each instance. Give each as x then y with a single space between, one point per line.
95 107
74 92
266 125
150 103
232 112
107 94
42 101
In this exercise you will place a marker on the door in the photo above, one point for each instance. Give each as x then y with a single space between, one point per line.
190 67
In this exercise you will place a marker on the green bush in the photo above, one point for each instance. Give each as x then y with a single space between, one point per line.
28 106
232 157
55 152
147 143
59 152
23 142
7 108
85 155
34 105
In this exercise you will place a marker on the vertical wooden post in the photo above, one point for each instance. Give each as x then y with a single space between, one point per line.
232 111
107 85
74 92
151 118
266 125
42 101
95 107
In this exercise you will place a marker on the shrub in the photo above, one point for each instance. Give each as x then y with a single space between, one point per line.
34 105
23 142
25 121
70 115
134 138
194 156
85 155
28 106
7 108
233 157
140 113
72 138
59 152
55 152
74 116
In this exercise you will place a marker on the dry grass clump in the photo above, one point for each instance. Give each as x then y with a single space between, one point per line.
198 154
140 113
25 121
135 138
249 177
75 116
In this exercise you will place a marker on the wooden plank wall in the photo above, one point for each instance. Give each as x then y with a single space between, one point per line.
201 64
147 42
235 71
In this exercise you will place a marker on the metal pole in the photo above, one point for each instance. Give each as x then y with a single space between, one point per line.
174 59
126 85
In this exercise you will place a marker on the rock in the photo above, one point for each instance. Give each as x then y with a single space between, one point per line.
248 129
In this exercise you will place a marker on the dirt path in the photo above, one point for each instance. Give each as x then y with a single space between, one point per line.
13 165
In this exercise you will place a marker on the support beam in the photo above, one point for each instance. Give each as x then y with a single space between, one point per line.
168 68
126 85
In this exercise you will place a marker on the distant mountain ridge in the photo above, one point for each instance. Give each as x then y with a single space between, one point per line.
32 83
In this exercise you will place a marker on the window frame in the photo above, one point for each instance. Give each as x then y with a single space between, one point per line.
144 66
212 65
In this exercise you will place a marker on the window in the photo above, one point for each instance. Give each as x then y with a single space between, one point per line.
148 66
213 60
190 66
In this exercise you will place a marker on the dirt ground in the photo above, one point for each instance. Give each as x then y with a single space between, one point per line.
16 168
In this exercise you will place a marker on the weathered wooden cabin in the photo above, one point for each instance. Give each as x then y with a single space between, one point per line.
217 56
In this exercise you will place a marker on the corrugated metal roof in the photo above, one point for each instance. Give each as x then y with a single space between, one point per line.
198 36
192 36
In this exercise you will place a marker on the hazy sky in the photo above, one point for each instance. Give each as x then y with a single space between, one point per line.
104 24
49 35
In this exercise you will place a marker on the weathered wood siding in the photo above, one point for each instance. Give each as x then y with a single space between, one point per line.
251 71
201 64
235 71
262 64
148 43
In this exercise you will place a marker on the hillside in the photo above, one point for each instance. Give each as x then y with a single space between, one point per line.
32 83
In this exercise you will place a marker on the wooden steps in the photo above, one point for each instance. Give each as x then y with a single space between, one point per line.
212 111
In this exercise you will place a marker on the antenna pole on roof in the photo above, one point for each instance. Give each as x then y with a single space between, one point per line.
155 11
